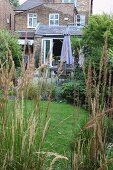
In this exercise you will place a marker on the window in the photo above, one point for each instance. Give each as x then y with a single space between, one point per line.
53 19
32 20
80 20
69 1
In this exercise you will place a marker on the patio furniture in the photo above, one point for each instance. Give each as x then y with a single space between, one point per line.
62 70
53 70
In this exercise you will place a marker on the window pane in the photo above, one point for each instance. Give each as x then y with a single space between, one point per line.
30 22
51 22
34 22
56 16
56 22
34 15
51 16
47 48
30 15
66 1
78 17
78 21
78 24
72 1
82 18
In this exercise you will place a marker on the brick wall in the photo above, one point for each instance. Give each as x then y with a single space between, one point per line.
84 7
6 15
43 11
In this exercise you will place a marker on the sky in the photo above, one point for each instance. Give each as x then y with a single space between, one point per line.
99 6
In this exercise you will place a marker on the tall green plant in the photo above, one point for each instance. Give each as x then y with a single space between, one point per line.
91 145
9 42
94 37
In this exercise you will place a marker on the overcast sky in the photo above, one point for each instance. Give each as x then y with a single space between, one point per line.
99 6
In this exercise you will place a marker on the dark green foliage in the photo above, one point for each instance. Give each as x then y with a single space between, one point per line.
15 3
74 91
57 94
68 91
94 36
76 44
9 46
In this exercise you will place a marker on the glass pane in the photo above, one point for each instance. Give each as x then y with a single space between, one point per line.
56 16
30 22
46 52
78 24
47 48
51 16
34 15
66 1
82 18
34 22
78 17
56 22
51 22
73 1
30 15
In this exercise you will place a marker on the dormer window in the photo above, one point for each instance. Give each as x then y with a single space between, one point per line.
54 19
31 20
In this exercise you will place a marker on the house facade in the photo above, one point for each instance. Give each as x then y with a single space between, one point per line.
6 15
43 24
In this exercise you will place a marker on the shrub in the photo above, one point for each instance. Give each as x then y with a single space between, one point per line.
57 94
9 42
75 90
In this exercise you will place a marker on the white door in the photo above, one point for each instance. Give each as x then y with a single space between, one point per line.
47 51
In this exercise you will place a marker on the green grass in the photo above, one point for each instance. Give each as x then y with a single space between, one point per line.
65 122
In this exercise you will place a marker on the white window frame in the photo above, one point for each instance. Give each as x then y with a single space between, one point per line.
51 50
44 52
53 19
28 17
80 23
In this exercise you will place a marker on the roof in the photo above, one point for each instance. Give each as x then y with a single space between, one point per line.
46 30
27 34
29 4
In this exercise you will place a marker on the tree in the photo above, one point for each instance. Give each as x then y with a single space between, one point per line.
9 42
15 3
98 46
94 36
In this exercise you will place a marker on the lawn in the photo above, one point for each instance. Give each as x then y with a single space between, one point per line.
65 122
23 127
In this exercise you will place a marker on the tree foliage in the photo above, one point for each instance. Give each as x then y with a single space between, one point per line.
76 45
94 35
9 42
15 3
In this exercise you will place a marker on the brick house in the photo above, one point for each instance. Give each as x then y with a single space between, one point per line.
44 23
6 15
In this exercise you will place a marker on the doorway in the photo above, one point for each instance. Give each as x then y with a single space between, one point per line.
51 50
